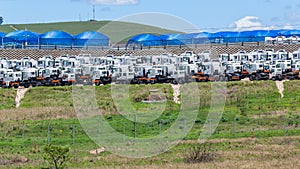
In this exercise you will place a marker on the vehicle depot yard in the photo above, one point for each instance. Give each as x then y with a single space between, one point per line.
258 129
46 101
136 84
70 101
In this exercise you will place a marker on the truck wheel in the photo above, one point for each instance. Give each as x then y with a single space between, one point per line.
180 81
251 78
174 82
39 84
228 79
256 78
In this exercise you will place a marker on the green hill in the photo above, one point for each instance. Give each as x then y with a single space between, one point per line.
116 30
257 127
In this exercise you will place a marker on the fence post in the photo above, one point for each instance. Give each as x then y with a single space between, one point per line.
284 126
160 132
34 143
73 134
234 123
98 131
185 134
49 133
124 132
134 127
210 127
259 126
23 134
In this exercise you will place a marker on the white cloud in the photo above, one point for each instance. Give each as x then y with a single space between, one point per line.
247 23
253 23
114 2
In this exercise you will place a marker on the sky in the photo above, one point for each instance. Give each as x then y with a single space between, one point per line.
211 15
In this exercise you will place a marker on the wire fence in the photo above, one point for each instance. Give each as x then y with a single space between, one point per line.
123 46
64 132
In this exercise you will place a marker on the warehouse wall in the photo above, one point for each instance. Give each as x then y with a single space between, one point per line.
215 50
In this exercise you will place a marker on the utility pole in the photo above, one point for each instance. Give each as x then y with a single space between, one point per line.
94 13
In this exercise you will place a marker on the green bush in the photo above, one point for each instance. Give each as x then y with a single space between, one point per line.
56 155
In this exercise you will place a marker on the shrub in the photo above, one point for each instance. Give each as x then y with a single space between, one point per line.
200 153
56 155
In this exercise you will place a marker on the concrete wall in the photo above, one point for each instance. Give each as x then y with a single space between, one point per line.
215 50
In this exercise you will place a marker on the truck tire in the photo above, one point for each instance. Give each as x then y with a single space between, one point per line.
174 82
228 78
180 81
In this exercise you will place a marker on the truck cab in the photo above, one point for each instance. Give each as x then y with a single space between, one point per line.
29 76
276 73
233 71
12 79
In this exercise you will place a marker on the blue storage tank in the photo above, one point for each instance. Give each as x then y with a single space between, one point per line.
201 38
2 35
21 37
145 40
56 37
91 38
187 39
226 37
171 39
289 33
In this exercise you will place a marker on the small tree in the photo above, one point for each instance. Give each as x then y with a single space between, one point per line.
1 20
56 155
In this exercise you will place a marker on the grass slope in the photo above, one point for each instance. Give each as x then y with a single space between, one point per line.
116 30
257 107
7 99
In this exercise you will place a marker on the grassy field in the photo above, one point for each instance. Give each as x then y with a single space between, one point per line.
109 28
7 98
257 108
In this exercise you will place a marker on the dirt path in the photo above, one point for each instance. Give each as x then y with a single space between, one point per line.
20 95
280 87
176 93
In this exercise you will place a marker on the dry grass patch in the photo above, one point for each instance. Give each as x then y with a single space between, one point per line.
37 113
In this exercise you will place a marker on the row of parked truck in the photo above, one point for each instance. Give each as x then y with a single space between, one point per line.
262 65
165 68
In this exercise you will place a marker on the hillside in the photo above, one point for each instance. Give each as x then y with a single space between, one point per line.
117 31
257 127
